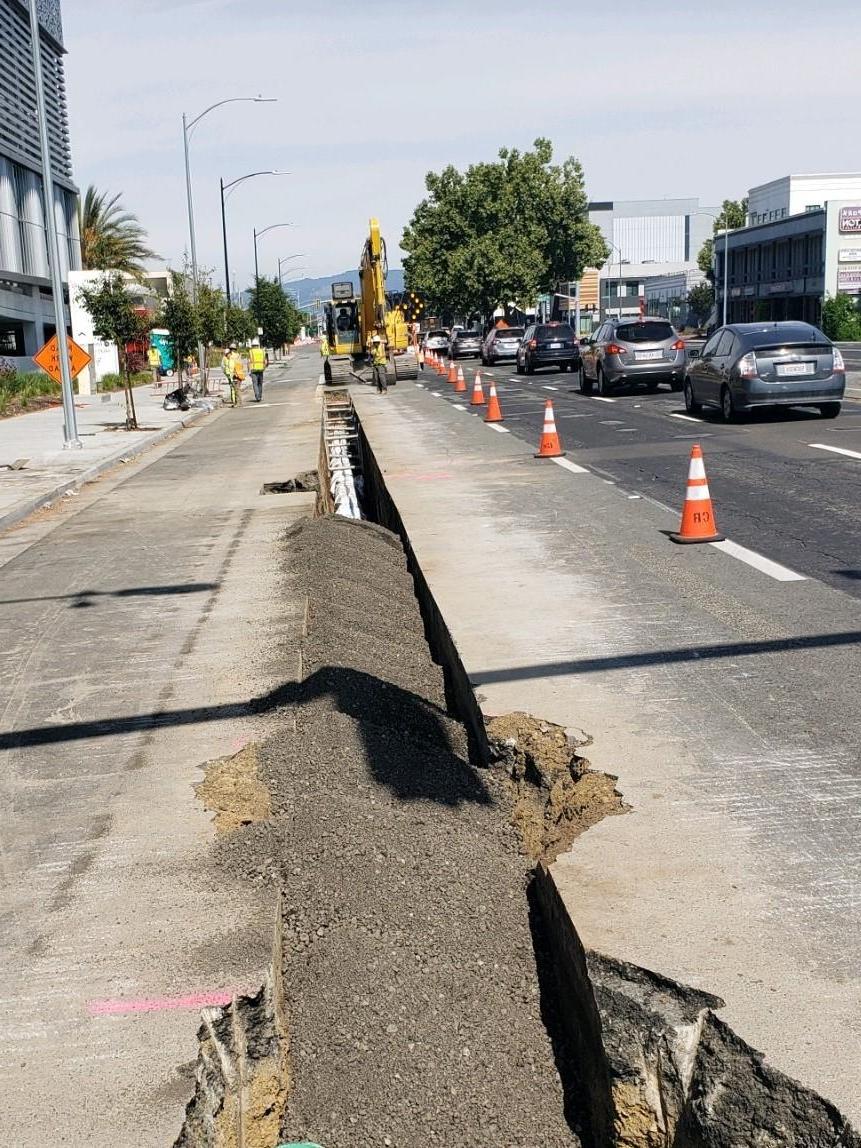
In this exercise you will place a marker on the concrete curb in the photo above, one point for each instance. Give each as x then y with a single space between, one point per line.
29 506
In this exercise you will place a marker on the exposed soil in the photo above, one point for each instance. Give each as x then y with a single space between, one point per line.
232 789
413 1001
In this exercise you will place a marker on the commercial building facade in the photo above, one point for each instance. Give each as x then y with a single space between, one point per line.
26 304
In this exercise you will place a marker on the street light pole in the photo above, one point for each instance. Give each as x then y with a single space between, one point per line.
70 424
286 259
259 235
226 187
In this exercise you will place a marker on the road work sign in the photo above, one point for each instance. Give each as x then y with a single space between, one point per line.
48 358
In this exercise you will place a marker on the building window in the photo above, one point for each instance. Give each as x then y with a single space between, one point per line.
12 340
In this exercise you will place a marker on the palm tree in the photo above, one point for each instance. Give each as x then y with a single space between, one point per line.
111 237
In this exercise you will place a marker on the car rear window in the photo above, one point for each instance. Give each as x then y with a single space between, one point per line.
437 334
769 341
510 333
644 332
554 331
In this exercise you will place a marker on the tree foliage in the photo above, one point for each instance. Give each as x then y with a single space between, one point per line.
733 214
111 237
181 318
500 232
210 312
275 312
841 318
241 326
701 299
115 320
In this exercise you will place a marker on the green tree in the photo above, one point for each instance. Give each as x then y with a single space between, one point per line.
275 312
240 326
181 318
733 214
210 312
500 232
116 320
111 238
841 318
701 299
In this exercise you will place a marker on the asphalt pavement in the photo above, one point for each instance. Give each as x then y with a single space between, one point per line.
785 483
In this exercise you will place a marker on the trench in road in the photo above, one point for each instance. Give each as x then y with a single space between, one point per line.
773 492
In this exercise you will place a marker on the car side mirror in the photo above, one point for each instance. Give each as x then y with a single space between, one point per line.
694 353
584 342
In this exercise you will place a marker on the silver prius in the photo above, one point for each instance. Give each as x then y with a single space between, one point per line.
648 351
748 365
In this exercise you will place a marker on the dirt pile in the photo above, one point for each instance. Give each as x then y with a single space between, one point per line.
555 795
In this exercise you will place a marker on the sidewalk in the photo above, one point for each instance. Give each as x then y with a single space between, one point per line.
723 699
50 472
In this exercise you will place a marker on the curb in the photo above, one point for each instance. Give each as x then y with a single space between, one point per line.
25 508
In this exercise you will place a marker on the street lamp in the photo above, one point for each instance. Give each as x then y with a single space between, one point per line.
188 127
716 218
257 235
286 259
227 187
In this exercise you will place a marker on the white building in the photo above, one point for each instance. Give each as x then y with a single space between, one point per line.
795 194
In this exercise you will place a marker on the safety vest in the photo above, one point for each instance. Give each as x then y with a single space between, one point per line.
324 347
154 357
379 354
258 358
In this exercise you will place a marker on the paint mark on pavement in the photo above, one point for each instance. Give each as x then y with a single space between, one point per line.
835 449
759 562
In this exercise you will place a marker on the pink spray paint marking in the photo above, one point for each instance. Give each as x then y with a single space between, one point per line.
158 1004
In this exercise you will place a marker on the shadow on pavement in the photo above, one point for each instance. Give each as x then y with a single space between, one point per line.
82 598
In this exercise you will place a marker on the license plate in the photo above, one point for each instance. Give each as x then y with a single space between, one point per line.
642 356
791 370
554 346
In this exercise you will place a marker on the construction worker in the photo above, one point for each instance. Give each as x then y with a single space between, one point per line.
379 359
259 362
234 372
324 347
154 359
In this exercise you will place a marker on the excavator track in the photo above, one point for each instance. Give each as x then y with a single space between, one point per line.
405 366
337 370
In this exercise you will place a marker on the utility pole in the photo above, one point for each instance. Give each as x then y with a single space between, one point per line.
224 238
70 424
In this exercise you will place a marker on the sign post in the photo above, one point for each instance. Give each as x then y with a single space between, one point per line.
70 427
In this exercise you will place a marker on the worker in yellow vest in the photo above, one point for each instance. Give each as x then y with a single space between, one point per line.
379 360
258 362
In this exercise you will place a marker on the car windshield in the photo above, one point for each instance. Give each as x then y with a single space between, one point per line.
554 331
644 332
437 334
468 335
510 333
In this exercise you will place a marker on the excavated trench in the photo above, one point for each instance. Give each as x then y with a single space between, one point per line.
427 986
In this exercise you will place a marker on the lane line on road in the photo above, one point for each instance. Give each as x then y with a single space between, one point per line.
498 429
601 399
572 466
420 385
687 418
835 449
547 388
759 562
458 406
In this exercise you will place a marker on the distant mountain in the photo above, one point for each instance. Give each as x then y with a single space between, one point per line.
307 290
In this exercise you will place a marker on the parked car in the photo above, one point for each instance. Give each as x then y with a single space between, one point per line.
501 343
463 343
436 340
548 345
748 365
647 351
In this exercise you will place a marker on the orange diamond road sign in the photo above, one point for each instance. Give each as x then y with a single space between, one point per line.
49 358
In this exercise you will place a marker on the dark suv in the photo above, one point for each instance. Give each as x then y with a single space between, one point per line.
548 345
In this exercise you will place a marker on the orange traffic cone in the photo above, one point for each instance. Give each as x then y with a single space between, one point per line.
698 517
452 372
460 384
429 359
494 410
477 399
550 446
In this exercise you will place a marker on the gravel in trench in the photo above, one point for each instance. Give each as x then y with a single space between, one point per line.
415 1013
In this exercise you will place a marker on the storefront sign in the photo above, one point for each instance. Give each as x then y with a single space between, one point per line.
849 280
849 221
849 255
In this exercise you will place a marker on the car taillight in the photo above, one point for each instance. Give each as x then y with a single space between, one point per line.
615 349
747 366
839 365
533 343
679 345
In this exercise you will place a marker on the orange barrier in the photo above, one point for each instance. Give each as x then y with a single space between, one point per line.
550 446
460 384
494 410
477 399
698 516
452 372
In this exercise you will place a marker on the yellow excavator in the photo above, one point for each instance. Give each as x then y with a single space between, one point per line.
351 323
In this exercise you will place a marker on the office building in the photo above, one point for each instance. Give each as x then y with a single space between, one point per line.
26 305
795 194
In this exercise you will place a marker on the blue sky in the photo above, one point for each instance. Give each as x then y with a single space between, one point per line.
657 99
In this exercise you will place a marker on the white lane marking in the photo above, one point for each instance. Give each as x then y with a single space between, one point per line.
497 427
601 399
546 388
758 562
437 394
687 418
420 384
572 466
626 430
835 449
458 406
